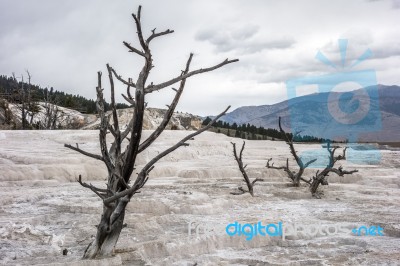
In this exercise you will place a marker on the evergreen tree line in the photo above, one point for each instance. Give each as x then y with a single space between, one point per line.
9 89
248 131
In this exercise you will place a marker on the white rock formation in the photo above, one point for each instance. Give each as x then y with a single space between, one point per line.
43 211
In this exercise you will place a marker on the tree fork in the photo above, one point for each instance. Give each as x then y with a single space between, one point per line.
238 159
119 160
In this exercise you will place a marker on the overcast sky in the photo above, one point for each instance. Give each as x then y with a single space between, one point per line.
64 43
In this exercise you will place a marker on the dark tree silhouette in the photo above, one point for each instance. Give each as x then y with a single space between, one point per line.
242 168
294 176
320 177
119 159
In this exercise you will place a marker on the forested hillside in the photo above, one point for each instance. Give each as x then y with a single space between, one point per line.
10 89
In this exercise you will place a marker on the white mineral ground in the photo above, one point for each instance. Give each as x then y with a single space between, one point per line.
43 210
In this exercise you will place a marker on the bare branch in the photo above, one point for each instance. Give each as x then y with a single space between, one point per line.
307 181
155 35
116 132
309 162
340 172
96 190
139 12
29 75
112 131
127 130
241 150
131 101
152 88
255 180
169 112
238 159
131 151
240 192
103 123
139 29
274 167
133 49
128 83
291 146
95 156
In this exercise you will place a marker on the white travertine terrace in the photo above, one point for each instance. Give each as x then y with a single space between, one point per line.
43 211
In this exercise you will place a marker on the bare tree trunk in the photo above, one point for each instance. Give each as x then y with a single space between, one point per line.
107 235
238 158
120 162
23 111
296 177
320 177
27 105
29 98
52 113
315 184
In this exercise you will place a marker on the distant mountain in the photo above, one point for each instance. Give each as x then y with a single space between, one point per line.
310 115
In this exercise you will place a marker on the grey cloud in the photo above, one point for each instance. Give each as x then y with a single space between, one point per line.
391 50
245 32
242 40
227 40
213 35
359 43
396 4
258 46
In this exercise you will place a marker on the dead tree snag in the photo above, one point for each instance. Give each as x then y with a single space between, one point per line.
294 176
242 168
120 159
320 177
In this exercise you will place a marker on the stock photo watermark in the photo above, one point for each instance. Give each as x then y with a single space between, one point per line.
278 229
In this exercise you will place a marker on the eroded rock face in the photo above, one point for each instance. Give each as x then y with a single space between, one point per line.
152 118
72 119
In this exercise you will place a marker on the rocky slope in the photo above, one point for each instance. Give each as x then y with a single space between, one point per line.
152 118
72 119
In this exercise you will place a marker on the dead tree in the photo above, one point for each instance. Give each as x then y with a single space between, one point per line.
6 116
27 106
32 106
53 116
238 158
120 159
22 100
294 176
320 177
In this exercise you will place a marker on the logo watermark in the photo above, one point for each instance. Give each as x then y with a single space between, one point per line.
278 229
368 230
347 103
